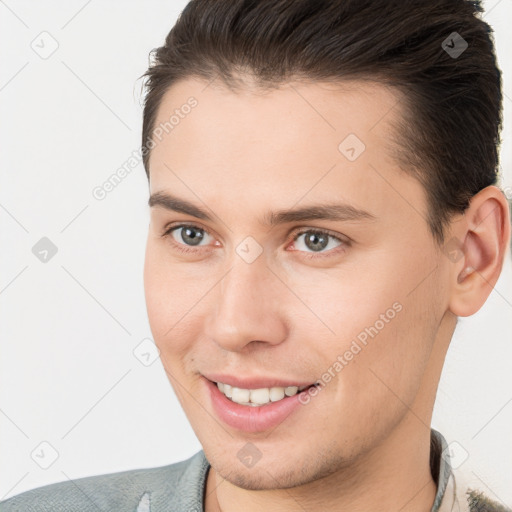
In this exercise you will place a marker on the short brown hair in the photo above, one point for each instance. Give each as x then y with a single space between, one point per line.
449 134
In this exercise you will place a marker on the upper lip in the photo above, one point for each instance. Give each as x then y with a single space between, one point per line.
255 382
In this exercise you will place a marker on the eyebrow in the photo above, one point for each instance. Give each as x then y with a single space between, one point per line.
333 211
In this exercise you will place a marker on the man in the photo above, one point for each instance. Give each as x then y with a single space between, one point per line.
324 206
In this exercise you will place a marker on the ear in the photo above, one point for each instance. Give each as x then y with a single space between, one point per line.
478 247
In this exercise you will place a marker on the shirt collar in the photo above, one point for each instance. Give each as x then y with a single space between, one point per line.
451 483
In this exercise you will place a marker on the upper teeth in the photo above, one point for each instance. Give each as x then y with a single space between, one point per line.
256 397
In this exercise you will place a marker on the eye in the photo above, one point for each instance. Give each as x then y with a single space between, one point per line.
187 236
315 241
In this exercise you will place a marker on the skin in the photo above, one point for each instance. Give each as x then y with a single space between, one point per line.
363 442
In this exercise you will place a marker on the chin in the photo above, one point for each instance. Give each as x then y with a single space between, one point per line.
263 480
284 474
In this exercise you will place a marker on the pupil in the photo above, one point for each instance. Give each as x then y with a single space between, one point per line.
191 236
314 239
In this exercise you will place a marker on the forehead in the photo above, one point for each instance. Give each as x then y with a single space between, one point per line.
318 115
320 140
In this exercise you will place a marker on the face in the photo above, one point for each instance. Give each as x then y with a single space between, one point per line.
357 296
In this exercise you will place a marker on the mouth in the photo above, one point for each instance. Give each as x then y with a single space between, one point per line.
259 396
257 409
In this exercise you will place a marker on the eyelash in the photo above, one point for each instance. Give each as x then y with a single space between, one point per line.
186 249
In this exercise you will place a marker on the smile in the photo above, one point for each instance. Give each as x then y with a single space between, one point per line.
260 396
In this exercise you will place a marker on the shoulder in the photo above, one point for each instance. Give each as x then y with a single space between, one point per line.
464 489
478 502
131 490
458 486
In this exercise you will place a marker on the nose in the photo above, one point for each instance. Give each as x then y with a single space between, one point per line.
248 307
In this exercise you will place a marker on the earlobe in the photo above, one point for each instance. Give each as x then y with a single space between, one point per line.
485 234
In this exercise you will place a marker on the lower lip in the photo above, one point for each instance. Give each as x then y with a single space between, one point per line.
249 418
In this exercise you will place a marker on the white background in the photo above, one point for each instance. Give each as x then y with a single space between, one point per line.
69 326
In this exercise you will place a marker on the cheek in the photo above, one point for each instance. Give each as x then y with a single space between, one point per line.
164 294
174 298
154 286
383 327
